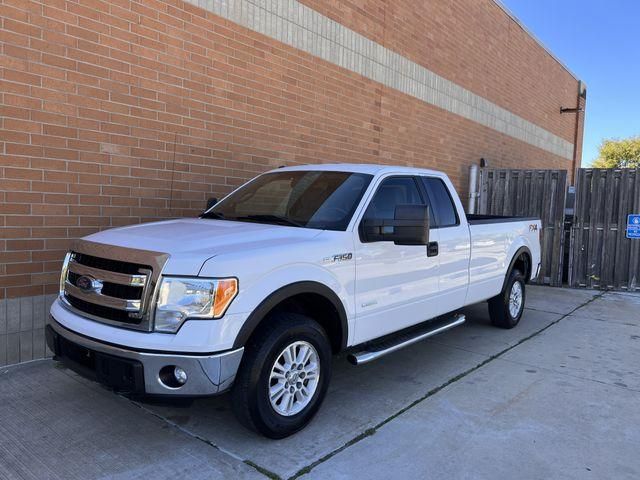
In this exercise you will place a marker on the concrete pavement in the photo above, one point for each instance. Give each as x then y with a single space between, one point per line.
555 397
54 425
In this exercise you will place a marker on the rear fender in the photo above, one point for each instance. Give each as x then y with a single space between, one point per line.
514 257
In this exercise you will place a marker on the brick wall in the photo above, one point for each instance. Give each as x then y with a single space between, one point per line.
474 43
119 112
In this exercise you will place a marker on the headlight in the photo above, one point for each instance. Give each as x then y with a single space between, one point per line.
63 273
180 298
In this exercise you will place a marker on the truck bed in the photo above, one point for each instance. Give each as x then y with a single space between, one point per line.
494 242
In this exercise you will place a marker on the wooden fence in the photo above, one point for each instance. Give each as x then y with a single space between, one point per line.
539 193
601 256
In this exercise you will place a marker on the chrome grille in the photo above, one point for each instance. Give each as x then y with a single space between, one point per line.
111 284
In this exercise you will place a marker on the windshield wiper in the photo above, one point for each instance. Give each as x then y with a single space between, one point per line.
216 215
271 218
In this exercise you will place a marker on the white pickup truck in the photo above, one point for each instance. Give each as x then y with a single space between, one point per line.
296 265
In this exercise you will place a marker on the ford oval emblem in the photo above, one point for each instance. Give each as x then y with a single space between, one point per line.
85 283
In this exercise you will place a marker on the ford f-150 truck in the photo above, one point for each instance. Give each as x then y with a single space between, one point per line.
298 264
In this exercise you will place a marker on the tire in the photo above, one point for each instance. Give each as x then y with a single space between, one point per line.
502 311
250 395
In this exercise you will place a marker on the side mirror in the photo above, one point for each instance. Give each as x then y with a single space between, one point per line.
410 226
211 202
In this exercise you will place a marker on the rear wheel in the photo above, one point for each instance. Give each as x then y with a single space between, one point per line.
506 308
283 377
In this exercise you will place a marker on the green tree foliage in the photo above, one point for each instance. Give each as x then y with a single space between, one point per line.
615 153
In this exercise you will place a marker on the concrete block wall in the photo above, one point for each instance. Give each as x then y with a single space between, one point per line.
22 322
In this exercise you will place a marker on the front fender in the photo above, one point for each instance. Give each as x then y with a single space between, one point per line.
288 291
262 290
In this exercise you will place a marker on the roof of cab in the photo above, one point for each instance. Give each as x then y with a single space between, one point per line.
370 168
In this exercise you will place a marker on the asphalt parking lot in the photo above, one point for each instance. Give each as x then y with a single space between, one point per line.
557 397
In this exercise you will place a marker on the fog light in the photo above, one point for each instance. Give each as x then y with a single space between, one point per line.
180 375
172 376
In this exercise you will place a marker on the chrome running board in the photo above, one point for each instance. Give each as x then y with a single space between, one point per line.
373 351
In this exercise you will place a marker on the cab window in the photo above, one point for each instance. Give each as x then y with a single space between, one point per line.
393 191
441 203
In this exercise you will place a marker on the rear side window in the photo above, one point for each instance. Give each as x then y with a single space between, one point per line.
441 202
392 192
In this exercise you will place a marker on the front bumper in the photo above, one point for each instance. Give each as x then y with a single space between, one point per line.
139 372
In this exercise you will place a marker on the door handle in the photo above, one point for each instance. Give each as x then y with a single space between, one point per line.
432 249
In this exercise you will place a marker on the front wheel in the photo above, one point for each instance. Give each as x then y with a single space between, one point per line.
283 377
506 308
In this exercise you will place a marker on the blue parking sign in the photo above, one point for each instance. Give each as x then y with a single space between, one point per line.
633 226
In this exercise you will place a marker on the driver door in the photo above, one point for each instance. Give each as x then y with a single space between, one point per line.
393 282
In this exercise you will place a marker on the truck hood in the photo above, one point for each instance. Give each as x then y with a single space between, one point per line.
190 242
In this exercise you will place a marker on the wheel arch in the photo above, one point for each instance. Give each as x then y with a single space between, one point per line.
311 298
522 258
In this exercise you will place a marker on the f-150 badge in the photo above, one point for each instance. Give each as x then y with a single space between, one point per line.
340 257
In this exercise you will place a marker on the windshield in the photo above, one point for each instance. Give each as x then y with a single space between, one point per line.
311 199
